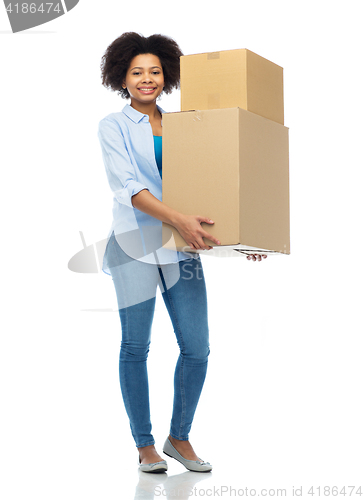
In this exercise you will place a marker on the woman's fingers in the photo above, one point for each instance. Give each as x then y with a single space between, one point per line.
198 242
193 233
200 245
204 219
205 234
210 237
256 256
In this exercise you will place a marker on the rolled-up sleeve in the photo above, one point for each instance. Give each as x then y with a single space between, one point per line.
119 169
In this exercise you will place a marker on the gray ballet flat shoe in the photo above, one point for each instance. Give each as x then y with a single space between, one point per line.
156 467
192 465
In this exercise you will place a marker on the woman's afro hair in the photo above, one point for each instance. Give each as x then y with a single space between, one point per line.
117 58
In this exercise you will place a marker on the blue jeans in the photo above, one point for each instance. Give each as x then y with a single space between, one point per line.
184 293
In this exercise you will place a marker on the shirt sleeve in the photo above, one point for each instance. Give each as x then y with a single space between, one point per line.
119 169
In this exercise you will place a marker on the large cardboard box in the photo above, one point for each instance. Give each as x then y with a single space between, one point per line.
232 166
232 78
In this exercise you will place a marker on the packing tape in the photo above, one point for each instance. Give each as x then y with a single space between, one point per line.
213 55
197 116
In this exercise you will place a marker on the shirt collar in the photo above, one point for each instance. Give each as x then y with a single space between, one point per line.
137 116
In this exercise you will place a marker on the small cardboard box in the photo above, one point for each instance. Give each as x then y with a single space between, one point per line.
230 79
232 166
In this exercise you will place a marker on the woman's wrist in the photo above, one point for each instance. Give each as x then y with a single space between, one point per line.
148 203
175 218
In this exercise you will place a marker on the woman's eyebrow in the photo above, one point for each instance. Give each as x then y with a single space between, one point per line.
139 67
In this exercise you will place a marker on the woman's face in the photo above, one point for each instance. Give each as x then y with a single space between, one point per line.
144 79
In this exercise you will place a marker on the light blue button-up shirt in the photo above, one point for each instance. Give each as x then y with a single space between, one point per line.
127 144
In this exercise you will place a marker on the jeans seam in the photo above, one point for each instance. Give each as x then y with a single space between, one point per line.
123 361
126 335
183 398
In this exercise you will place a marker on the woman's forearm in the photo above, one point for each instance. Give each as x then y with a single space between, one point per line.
146 202
189 226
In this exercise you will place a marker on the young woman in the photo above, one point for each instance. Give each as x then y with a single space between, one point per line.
142 69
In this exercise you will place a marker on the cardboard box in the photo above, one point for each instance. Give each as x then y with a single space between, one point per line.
232 166
230 79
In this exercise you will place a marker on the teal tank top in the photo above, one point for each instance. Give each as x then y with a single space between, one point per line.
158 152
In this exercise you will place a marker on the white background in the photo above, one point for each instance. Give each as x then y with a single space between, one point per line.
282 405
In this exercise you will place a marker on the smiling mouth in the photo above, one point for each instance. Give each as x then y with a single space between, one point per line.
147 90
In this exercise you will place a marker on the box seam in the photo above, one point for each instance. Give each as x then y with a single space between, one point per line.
238 148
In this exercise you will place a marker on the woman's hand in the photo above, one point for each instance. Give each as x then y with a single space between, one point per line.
256 256
189 227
